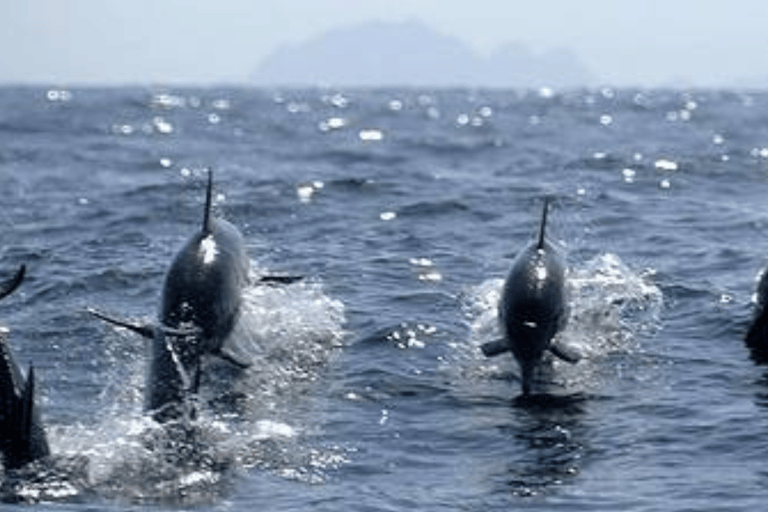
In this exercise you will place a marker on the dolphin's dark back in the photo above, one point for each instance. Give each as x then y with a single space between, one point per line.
533 306
22 437
204 284
534 303
757 336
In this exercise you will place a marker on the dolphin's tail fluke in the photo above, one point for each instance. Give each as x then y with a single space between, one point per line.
543 227
207 228
32 442
27 404
22 436
11 284
527 368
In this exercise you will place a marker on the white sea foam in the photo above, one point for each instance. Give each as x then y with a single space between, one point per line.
611 308
288 333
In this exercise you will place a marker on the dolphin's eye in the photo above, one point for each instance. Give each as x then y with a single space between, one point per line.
208 249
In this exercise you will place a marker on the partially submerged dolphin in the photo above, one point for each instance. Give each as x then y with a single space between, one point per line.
22 436
201 301
9 286
533 307
757 336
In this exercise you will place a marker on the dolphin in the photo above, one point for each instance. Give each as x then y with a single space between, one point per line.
22 436
200 303
757 336
533 307
9 286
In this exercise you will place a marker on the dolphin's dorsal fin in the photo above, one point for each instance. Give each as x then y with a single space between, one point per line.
543 227
10 285
207 228
27 405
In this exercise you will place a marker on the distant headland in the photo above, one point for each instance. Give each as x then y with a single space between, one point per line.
389 54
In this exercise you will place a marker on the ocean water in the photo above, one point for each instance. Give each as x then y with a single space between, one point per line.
403 209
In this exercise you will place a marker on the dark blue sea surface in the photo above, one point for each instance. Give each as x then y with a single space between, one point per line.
403 209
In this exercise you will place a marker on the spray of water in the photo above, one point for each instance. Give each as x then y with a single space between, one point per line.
251 418
612 309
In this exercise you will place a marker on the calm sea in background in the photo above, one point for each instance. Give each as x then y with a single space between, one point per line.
403 209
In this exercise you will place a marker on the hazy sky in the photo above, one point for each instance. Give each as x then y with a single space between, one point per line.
643 42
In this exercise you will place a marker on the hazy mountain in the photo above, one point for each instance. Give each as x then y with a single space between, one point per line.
412 54
514 65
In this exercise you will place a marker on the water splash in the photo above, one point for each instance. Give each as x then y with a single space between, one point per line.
286 321
612 308
252 419
610 305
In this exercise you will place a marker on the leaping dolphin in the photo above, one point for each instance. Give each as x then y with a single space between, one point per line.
200 304
533 307
22 436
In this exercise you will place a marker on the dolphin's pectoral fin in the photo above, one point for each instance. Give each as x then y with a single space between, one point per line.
269 280
11 284
495 347
234 358
565 352
148 331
